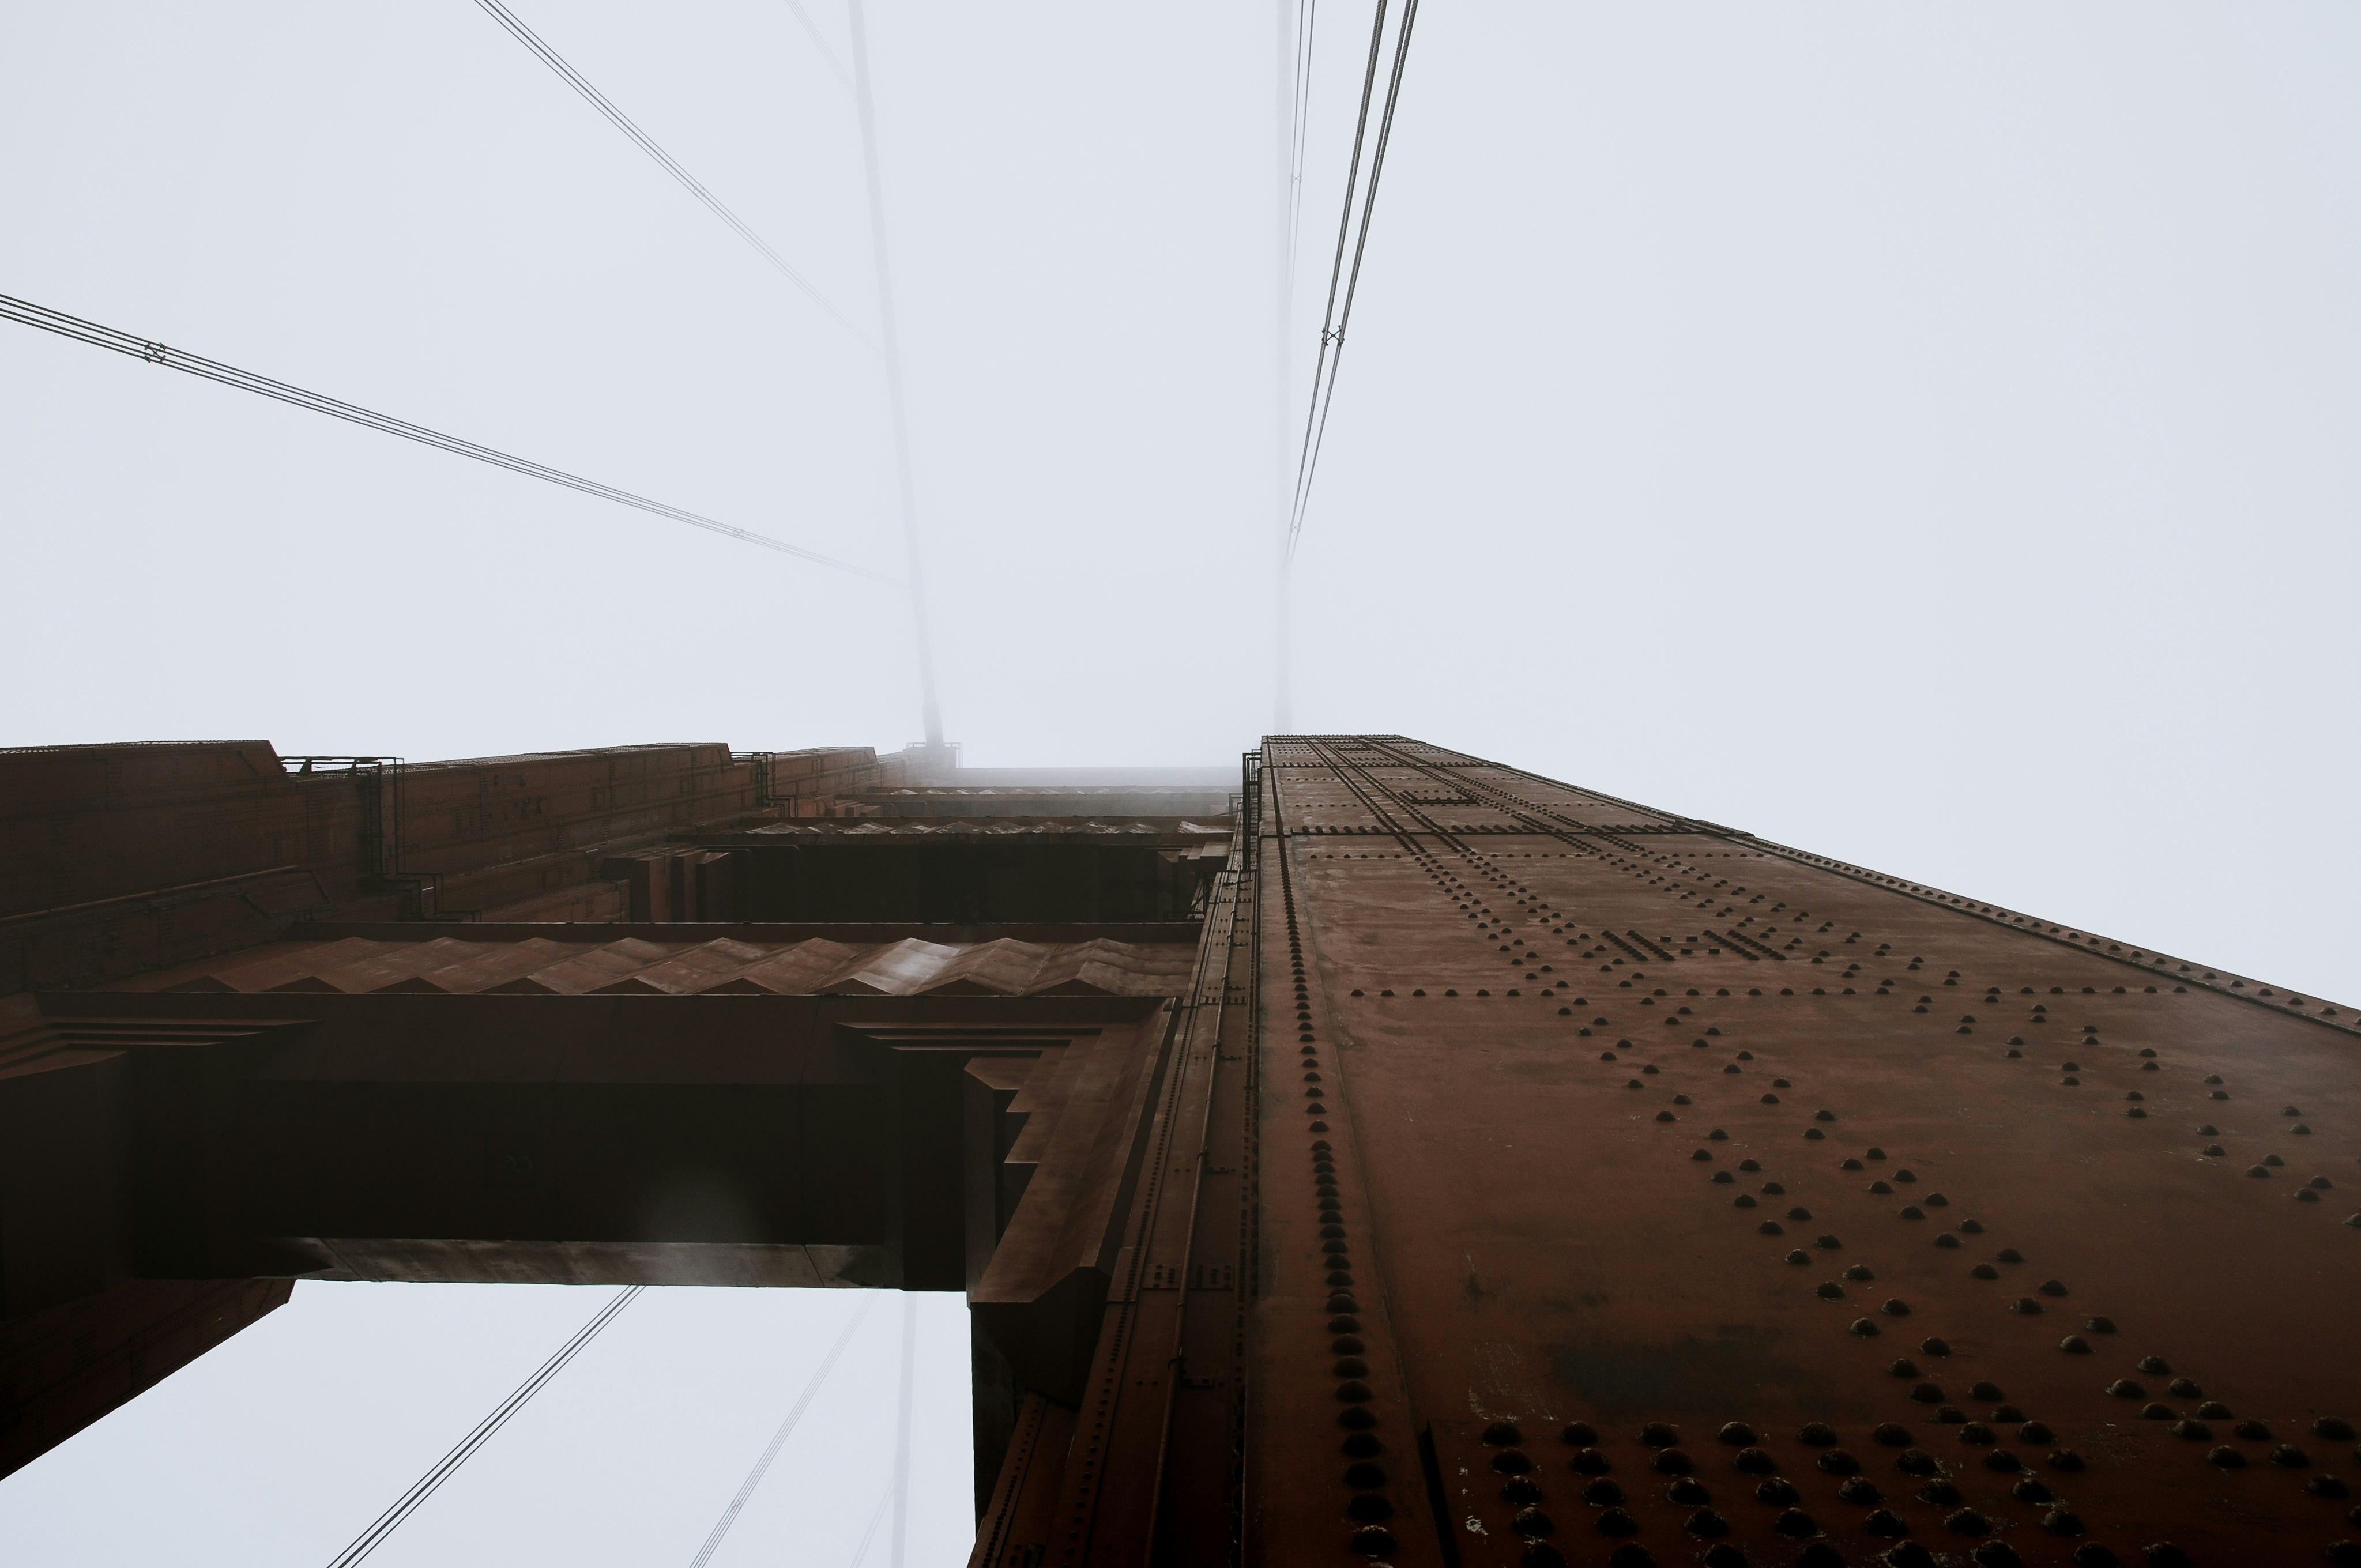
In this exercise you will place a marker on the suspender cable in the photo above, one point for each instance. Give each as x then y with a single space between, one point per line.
911 570
623 123
1332 331
811 31
124 343
902 1431
778 1439
369 1540
876 1517
1292 89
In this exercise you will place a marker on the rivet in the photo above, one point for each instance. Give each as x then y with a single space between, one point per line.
2333 1428
1915 1461
1781 1083
2228 1458
1502 1434
2099 1325
2035 1431
1707 1524
2154 1411
1579 1434
1665 1116
1946 1240
1865 1327
1796 1523
1755 1461
2026 1305
2252 1431
1615 1521
1660 1434
1895 1307
1935 1347
1850 1165
1773 1228
1975 1431
1903 1366
1670 1462
1814 1133
1602 1494
1819 1434
1687 1492
2063 1459
1967 1521
1750 1165
1984 1271
1827 1243
1701 1154
1778 1489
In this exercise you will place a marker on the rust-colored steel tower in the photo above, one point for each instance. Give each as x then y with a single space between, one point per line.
1384 1154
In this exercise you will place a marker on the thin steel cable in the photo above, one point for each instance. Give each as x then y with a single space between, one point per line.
623 123
369 1540
778 1439
876 1515
120 342
1307 27
1292 89
913 573
811 31
1368 208
902 1431
1337 267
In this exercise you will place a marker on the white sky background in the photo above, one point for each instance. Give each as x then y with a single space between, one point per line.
285 1444
1924 435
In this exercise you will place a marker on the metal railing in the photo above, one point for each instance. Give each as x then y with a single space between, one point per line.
381 832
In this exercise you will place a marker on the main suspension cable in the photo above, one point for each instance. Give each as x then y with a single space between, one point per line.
120 342
1332 331
369 1540
623 123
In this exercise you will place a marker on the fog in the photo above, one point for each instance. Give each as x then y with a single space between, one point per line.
1921 434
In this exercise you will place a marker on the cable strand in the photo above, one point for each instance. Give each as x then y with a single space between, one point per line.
540 49
119 342
1336 267
372 1538
1360 247
779 1438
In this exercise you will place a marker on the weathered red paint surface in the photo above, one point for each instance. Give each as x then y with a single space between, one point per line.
1612 1061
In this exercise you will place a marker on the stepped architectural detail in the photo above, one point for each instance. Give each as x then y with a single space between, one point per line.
1375 1153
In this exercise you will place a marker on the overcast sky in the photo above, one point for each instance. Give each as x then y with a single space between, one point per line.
1924 435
